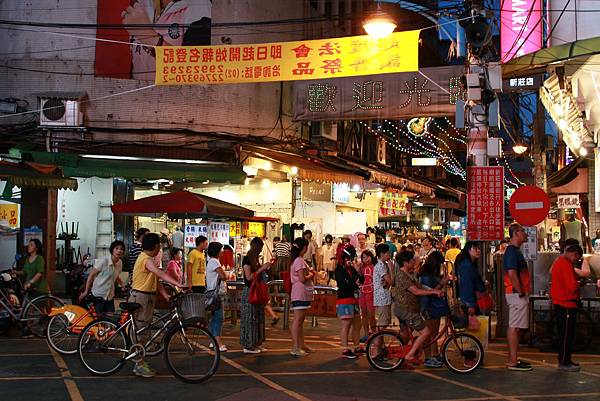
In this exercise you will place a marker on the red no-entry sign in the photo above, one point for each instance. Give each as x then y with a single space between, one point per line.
529 205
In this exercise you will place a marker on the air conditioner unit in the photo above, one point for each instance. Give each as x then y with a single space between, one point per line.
60 112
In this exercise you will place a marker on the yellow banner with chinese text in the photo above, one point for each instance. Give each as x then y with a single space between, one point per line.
9 214
287 61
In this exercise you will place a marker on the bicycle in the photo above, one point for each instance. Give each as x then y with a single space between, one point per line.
29 313
191 353
461 352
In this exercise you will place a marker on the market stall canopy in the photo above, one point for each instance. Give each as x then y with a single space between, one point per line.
77 166
571 179
182 205
21 175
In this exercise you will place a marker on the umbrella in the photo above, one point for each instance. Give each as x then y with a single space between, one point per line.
181 205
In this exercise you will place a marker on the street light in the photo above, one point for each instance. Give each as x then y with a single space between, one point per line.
379 24
519 148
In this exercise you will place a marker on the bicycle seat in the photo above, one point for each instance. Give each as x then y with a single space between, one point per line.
129 306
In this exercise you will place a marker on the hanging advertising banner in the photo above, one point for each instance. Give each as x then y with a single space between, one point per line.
520 28
568 201
253 229
393 204
485 203
219 232
429 92
190 234
529 248
9 214
287 61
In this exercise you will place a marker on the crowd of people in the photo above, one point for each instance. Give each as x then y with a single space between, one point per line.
376 280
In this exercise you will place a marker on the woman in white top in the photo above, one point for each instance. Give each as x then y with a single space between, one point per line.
216 276
328 251
104 276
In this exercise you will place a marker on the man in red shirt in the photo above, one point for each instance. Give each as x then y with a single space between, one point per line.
564 291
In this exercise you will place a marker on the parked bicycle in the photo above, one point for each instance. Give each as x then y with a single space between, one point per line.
191 353
460 351
31 314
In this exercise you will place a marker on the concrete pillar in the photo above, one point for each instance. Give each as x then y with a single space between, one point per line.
38 208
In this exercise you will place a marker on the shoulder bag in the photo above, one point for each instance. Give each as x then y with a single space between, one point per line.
259 291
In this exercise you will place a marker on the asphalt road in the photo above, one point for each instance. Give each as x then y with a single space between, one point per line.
29 371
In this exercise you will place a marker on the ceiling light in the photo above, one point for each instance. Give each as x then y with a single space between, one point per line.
563 125
206 182
155 186
379 24
583 151
379 193
171 182
355 188
250 170
519 148
419 204
558 110
265 183
267 166
294 170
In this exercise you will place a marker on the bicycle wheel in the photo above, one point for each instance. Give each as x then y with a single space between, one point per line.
35 316
386 351
462 353
189 355
102 347
157 345
60 338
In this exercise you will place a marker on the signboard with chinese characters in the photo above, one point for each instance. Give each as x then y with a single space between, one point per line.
568 201
235 229
33 232
9 214
219 232
316 191
253 229
520 28
530 247
190 233
287 61
485 203
430 92
393 204
522 83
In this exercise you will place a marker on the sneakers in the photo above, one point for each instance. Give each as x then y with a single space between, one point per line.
251 351
569 368
349 354
433 363
143 370
223 348
262 349
520 366
298 353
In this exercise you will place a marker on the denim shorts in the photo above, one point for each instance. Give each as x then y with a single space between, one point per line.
347 311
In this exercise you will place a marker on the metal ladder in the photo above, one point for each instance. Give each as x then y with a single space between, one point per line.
104 230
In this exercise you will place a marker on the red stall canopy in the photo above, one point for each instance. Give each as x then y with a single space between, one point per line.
182 205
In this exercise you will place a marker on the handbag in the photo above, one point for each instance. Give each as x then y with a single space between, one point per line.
473 323
259 291
212 298
437 308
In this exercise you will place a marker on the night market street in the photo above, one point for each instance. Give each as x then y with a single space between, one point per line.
29 371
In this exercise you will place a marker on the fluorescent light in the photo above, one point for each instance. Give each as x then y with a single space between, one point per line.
520 148
146 159
424 161
419 204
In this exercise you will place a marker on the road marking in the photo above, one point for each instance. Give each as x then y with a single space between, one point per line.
264 380
529 205
497 396
66 375
544 363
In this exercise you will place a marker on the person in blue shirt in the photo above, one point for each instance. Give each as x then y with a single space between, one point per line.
470 283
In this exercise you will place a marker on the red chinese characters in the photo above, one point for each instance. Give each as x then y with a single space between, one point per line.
329 49
303 68
332 66
302 51
485 203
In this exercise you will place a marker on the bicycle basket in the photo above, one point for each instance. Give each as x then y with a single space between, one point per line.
191 307
459 322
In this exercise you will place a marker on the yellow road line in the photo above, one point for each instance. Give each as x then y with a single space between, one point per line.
264 380
497 396
66 375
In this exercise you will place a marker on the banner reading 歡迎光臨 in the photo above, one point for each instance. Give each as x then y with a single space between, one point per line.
287 61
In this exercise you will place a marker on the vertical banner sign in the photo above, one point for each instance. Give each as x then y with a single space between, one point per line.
287 61
529 248
485 203
219 232
191 232
520 28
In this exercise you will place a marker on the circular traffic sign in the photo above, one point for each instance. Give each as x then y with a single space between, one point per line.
529 205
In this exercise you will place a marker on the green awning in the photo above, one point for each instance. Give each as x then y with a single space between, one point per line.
538 61
76 166
24 177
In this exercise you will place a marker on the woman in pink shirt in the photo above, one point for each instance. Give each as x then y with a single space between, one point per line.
365 299
302 294
174 267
